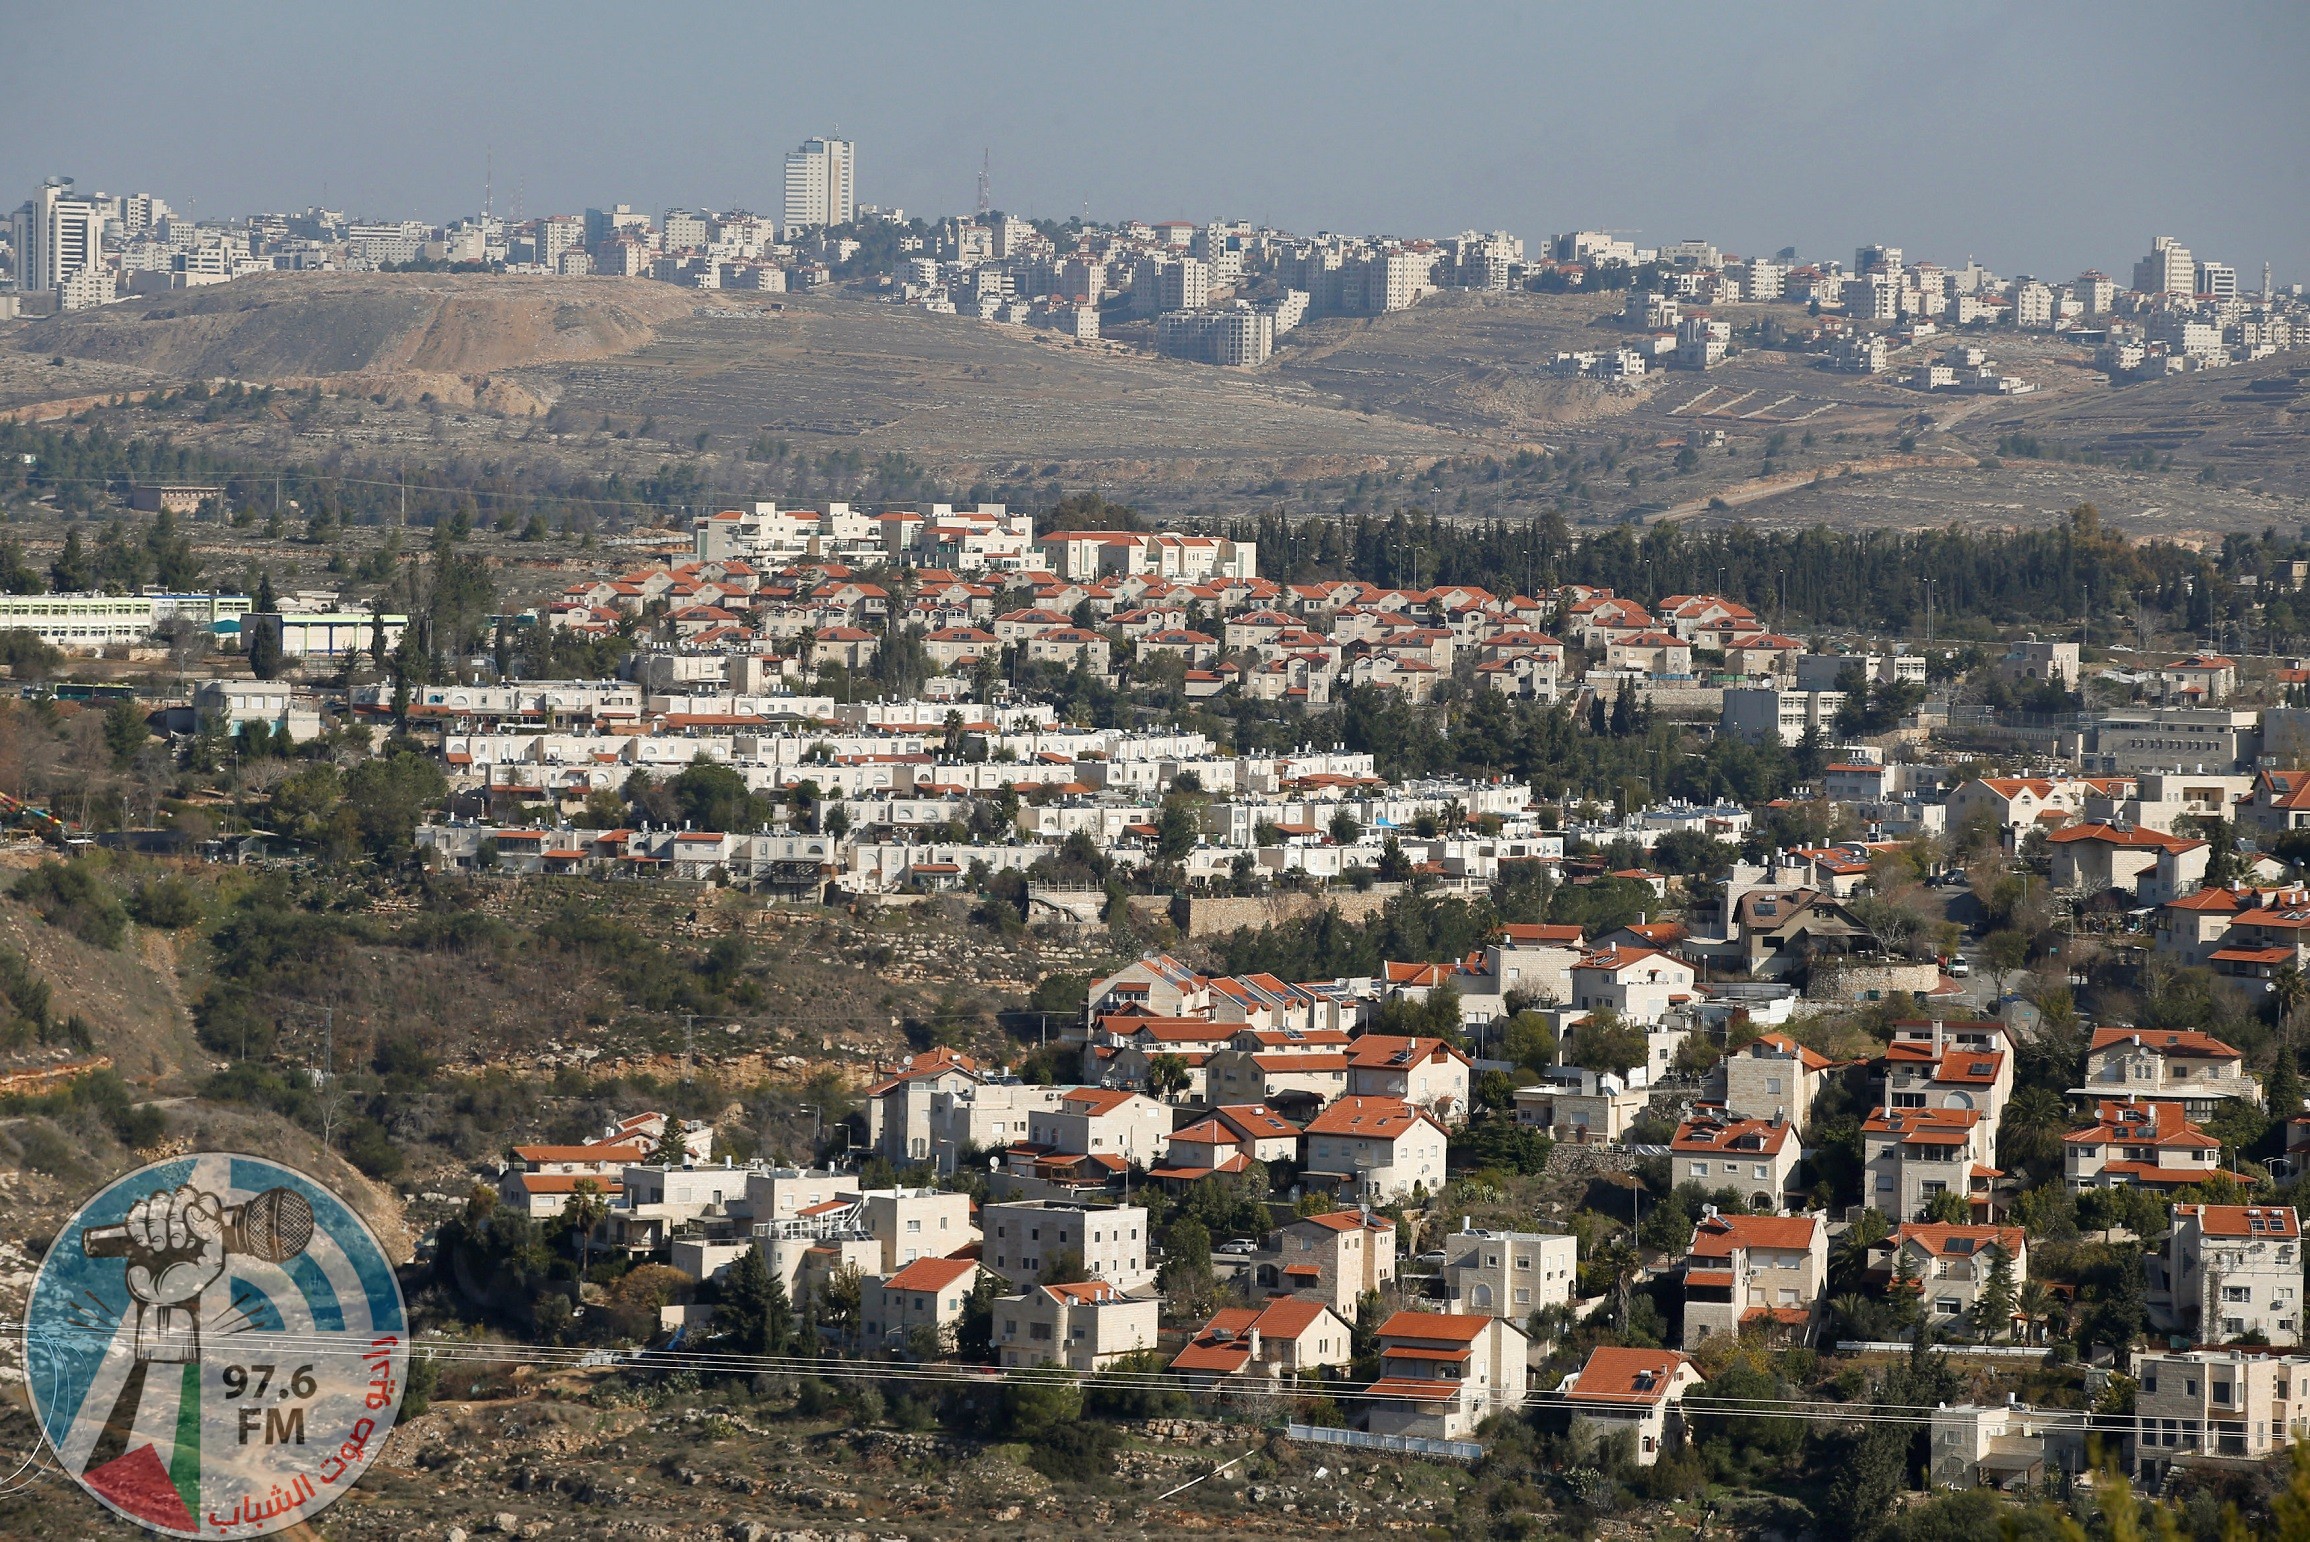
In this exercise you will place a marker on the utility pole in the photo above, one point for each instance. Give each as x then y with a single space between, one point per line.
689 1026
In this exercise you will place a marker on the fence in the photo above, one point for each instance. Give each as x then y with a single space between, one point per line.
1402 1445
1966 1351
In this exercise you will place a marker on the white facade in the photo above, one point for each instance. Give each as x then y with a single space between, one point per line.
822 183
1024 1237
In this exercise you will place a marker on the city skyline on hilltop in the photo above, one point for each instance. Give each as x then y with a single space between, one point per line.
1821 135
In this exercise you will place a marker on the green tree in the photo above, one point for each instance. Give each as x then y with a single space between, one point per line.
388 797
1167 1076
1529 1041
125 732
672 1150
1948 1208
1993 1306
261 628
71 572
1602 1042
1177 830
588 1207
754 1317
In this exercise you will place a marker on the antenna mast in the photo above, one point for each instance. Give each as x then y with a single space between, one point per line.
986 183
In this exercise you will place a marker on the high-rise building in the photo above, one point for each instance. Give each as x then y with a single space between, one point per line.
822 183
2166 270
2218 279
57 233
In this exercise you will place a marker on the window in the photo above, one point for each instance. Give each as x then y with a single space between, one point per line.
1772 1085
1948 1306
2237 1293
1763 1172
1700 1169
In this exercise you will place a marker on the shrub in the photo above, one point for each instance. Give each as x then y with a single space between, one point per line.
70 897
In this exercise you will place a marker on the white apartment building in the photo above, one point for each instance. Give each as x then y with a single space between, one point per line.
1639 984
1509 1274
1081 1326
1755 714
57 233
1774 1077
821 184
2229 1270
1376 1149
1023 1237
1103 1121
1757 1157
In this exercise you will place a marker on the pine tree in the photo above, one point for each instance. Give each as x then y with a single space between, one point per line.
670 1150
70 572
1993 1307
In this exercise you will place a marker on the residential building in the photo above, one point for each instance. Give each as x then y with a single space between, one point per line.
57 234
1633 1389
1756 1157
2227 1271
1103 1121
1774 1077
2009 1446
1083 1326
1429 1074
1757 714
2092 858
2166 1065
1024 1237
1375 1149
2168 269
1441 1375
1962 1065
1289 1336
1915 1155
898 1109
1576 1104
1951 1264
926 1296
917 1223
1641 985
2235 1403
2153 1145
1337 1258
1509 1274
1746 1270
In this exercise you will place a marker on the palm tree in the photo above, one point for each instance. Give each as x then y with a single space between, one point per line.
2037 1306
587 1209
1849 1260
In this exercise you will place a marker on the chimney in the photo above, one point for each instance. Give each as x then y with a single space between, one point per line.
1939 1030
1254 1345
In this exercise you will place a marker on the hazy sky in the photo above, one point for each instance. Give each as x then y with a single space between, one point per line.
2040 138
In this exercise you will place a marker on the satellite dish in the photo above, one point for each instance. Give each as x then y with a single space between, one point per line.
995 1163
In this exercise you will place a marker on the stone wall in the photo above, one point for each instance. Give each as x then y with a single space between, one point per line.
1208 917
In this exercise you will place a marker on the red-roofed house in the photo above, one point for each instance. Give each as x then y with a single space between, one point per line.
2199 680
1641 985
1758 1157
1773 1076
1951 1263
2193 927
1232 1137
1745 1269
2094 857
2229 1270
1950 1065
1914 1155
1441 1376
1289 1336
2178 1065
1427 1073
1375 1149
1103 1121
1337 1258
2152 1145
1632 1389
927 1297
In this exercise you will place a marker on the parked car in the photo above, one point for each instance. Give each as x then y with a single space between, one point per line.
1433 1258
1959 969
1239 1245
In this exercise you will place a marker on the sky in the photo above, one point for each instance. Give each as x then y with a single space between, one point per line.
2038 138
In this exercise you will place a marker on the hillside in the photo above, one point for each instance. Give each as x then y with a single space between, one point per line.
594 377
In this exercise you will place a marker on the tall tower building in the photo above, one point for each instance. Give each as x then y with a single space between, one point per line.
2167 269
822 183
57 233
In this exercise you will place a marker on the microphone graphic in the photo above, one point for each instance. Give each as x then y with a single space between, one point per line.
275 1226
